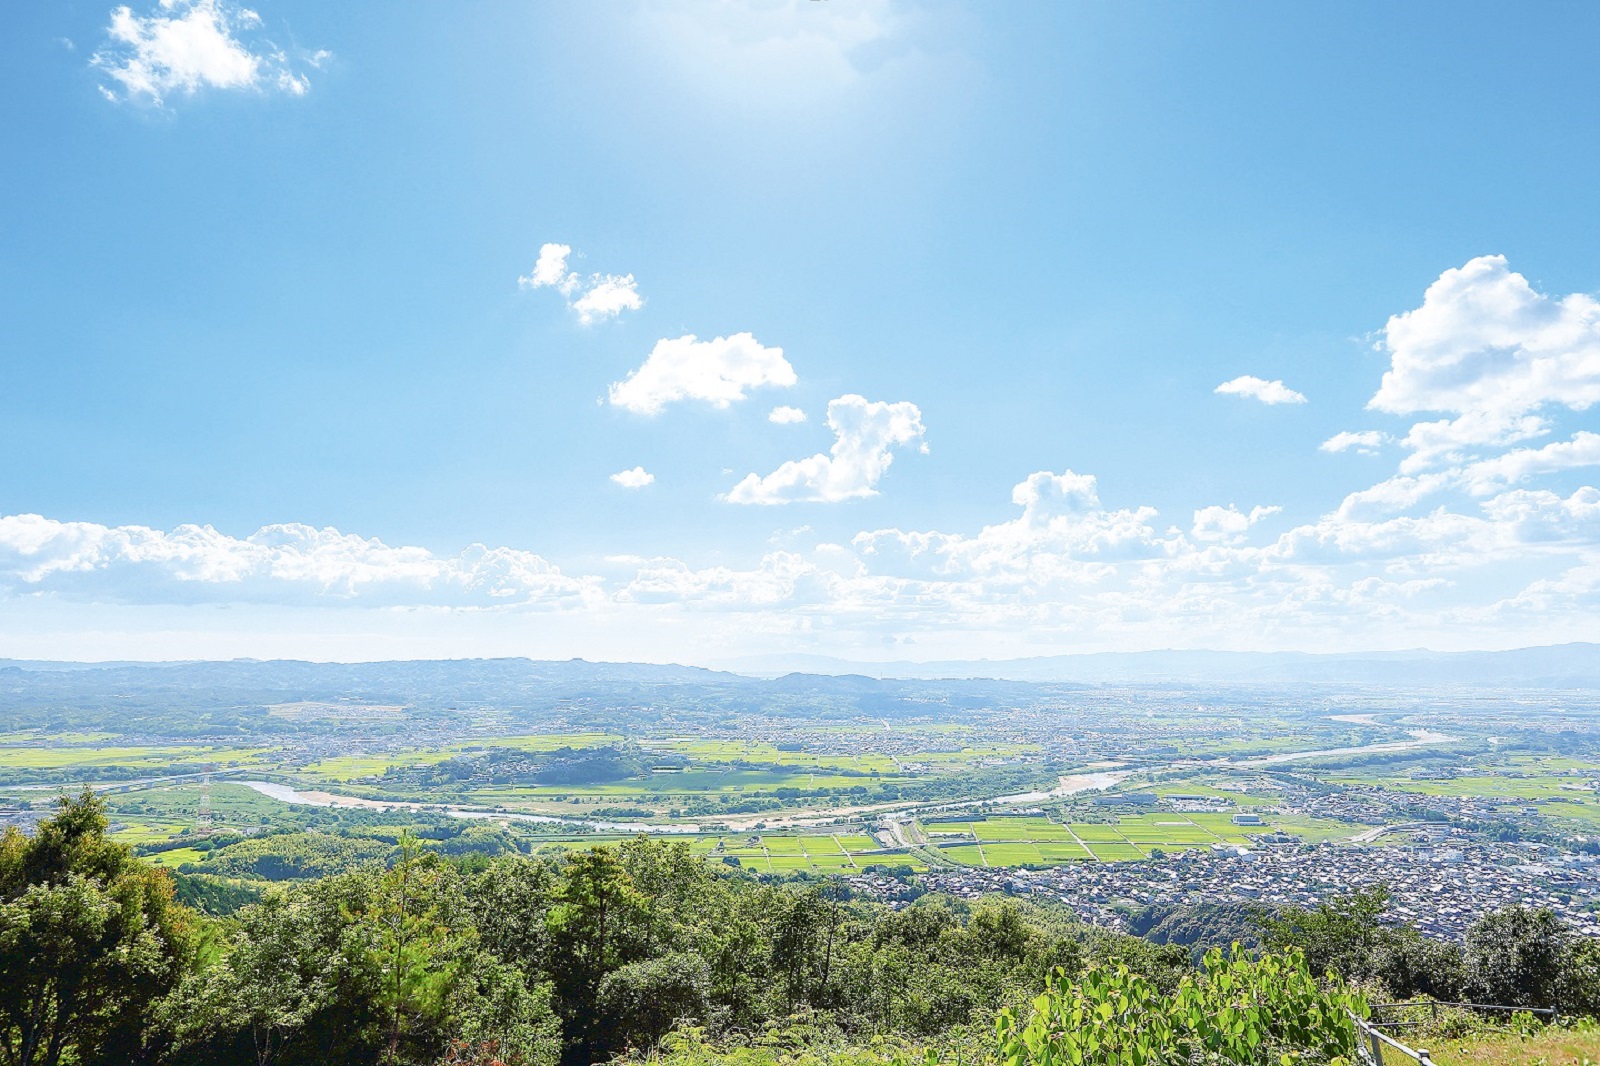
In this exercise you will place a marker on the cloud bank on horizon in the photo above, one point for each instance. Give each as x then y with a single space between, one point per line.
1471 533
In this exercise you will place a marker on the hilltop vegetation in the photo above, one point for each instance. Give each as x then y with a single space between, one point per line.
616 950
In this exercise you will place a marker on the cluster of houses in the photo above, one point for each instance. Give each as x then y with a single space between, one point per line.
1440 888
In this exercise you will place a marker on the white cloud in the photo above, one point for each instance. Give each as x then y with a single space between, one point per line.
637 478
1365 442
1453 441
1393 494
1462 544
607 296
187 45
1062 535
1268 392
1539 516
592 298
1484 342
550 271
865 436
280 564
786 416
1500 360
716 371
1514 467
1227 524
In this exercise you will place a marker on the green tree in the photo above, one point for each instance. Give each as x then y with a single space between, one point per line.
1517 957
1346 935
415 948
299 981
642 1001
89 941
593 927
492 1005
1338 934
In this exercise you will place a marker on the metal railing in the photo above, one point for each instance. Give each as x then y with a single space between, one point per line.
1433 1006
1370 1042
1371 1039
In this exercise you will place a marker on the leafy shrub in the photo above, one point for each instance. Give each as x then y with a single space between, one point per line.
1235 1010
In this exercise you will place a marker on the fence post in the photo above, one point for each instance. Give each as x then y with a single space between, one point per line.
1375 1047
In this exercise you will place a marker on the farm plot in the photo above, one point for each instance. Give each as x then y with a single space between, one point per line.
789 854
785 854
1090 832
1012 854
176 857
827 855
965 854
147 759
855 843
1019 839
1222 826
749 858
729 751
1165 831
1029 829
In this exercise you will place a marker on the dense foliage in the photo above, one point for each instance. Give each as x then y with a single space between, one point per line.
1519 957
422 958
1235 1010
576 958
90 943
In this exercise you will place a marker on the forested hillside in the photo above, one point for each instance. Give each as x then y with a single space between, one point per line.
607 952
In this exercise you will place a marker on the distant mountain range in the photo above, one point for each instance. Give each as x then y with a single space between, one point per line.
1564 666
1556 666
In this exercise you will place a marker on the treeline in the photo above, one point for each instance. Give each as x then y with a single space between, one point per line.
1519 957
425 959
573 960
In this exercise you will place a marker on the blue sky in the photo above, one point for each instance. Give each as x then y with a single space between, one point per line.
270 384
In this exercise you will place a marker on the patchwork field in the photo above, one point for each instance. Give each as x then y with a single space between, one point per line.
1036 840
764 799
809 853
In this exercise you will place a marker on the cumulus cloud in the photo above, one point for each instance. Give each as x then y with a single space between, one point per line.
1514 467
716 372
1469 544
1268 392
637 478
187 45
1485 343
280 564
1453 441
1539 516
1393 494
550 269
786 416
591 298
1365 442
1226 524
1063 535
1500 361
865 436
